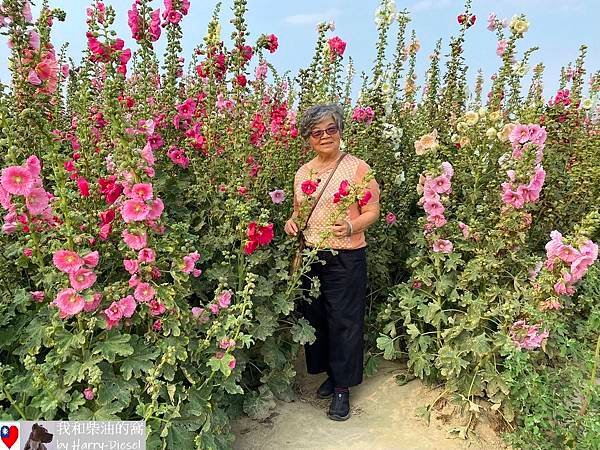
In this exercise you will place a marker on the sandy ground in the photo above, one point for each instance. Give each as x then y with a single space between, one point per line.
384 416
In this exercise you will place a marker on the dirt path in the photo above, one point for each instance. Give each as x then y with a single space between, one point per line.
384 416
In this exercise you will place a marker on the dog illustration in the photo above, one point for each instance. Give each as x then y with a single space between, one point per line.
38 437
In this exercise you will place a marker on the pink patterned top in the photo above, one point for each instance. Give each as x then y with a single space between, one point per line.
352 169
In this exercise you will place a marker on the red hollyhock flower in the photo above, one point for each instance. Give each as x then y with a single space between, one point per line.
462 18
309 186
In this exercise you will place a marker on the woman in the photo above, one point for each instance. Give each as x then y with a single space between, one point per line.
338 314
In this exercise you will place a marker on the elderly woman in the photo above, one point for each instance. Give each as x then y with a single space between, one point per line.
338 313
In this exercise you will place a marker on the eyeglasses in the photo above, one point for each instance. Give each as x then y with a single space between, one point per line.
331 130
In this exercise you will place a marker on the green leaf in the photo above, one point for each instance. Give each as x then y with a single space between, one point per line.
258 405
115 344
386 344
413 331
141 361
267 324
221 364
303 332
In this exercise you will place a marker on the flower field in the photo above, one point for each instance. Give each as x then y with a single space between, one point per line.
145 271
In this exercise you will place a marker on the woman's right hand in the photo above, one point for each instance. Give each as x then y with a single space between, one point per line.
291 228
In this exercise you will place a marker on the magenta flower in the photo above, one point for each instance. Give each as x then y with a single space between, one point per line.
277 196
527 336
144 292
131 265
127 306
93 304
69 303
336 46
17 180
189 261
88 393
91 259
135 241
36 201
82 279
442 246
156 208
113 315
134 210
33 78
141 191
67 261
37 296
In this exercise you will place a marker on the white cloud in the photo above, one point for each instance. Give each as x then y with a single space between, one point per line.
311 19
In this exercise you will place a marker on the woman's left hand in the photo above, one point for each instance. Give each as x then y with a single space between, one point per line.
341 228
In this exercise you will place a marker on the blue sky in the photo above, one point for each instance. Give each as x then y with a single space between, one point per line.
558 27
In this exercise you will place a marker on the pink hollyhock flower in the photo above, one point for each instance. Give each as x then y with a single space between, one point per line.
82 279
104 231
537 134
272 43
147 255
437 220
141 191
17 180
527 336
589 248
580 266
131 265
231 363
113 315
261 71
67 261
442 246
127 306
214 308
34 40
36 201
38 296
519 134
93 304
156 307
567 253
513 198
433 208
189 261
88 393
226 343
27 15
277 196
502 46
224 299
464 229
33 78
177 156
390 218
69 303
5 198
441 184
429 193
91 259
154 29
134 210
144 292
156 209
135 240
336 46
309 187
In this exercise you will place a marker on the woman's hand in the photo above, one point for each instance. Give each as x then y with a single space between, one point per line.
341 228
291 228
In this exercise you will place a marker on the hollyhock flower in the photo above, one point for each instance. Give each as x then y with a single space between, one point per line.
250 247
5 198
433 208
519 134
513 198
437 220
224 299
142 191
127 306
214 308
365 199
134 210
93 304
16 180
502 46
156 307
154 29
27 15
91 259
336 46
447 169
156 209
550 304
272 43
390 218
226 343
231 363
88 393
567 253
441 184
261 71
157 325
36 201
34 40
491 22
38 296
309 187
67 261
69 303
589 248
33 78
83 186
104 231
113 315
82 279
527 336
277 196
147 255
177 156
131 265
365 115
144 292
442 246
135 241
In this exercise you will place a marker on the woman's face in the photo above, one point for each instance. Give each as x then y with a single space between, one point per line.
328 143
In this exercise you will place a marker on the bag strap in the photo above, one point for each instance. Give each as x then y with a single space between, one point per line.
323 190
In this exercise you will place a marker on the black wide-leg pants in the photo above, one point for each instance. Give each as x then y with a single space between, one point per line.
337 316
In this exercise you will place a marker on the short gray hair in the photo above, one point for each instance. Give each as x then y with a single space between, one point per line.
316 113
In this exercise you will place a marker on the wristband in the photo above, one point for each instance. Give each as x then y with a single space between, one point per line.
350 225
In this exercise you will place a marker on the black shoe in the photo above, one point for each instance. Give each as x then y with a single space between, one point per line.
326 389
340 406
